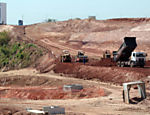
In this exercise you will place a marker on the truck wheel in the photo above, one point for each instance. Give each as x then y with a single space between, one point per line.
118 64
142 66
122 64
131 64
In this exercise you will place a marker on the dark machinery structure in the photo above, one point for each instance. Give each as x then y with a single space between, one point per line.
106 54
81 57
65 57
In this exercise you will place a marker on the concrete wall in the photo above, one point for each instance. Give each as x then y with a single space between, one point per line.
3 13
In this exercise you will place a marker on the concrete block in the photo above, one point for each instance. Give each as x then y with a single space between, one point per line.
54 110
126 90
28 108
74 87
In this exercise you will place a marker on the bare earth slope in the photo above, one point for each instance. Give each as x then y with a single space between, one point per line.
92 36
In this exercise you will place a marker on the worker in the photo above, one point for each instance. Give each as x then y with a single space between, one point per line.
84 60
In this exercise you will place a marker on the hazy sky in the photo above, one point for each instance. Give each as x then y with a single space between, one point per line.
34 11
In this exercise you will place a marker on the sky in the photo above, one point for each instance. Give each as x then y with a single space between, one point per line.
36 11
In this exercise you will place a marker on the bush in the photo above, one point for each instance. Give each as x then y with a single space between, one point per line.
31 45
14 48
17 55
4 38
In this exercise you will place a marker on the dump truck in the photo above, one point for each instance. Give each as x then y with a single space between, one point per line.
65 57
125 55
80 57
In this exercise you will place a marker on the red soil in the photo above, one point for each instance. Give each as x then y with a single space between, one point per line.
108 62
42 93
103 71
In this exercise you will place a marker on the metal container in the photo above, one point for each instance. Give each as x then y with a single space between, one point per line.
20 22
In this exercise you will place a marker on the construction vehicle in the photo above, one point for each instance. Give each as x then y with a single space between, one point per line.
125 55
106 54
65 57
81 57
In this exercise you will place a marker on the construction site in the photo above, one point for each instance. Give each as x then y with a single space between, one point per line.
87 67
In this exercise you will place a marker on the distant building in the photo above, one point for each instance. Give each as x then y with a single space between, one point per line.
3 13
92 17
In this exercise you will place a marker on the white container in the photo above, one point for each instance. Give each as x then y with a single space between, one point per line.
72 88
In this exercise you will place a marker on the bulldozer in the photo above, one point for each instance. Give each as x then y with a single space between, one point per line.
80 57
65 57
106 54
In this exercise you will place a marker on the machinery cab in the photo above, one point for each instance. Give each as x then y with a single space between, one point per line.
66 52
81 57
107 54
65 57
139 58
80 53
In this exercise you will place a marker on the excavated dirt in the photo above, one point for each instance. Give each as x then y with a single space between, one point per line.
41 88
6 110
108 62
105 72
43 93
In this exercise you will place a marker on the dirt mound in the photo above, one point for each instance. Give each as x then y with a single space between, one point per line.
25 81
45 63
104 73
42 93
129 19
103 62
8 111
66 68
